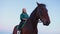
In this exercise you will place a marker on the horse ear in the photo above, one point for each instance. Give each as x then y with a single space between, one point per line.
37 3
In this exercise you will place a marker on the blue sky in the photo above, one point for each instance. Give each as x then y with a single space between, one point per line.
10 11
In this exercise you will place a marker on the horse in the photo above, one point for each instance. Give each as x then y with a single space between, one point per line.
40 12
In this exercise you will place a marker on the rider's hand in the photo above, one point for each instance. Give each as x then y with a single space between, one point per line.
24 19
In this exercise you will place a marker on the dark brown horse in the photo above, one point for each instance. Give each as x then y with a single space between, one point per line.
41 13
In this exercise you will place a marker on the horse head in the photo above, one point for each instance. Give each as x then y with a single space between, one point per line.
42 13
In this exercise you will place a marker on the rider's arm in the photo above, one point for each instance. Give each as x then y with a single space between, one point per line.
24 18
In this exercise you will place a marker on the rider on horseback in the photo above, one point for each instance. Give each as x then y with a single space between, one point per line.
23 17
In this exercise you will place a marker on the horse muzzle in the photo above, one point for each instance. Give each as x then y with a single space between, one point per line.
46 23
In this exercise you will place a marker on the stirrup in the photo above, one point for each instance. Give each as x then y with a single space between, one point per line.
18 32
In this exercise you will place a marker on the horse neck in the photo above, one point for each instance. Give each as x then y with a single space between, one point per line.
33 18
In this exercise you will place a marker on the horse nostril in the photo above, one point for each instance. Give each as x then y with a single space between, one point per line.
47 23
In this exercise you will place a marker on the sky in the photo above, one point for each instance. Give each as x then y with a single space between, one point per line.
10 11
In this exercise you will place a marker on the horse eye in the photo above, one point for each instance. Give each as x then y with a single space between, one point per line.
46 10
41 13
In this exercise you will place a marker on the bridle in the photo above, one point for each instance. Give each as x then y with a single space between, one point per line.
40 13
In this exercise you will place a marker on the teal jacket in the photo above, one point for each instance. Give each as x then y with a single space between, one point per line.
24 15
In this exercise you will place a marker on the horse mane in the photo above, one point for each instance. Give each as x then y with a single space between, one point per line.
32 19
33 14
